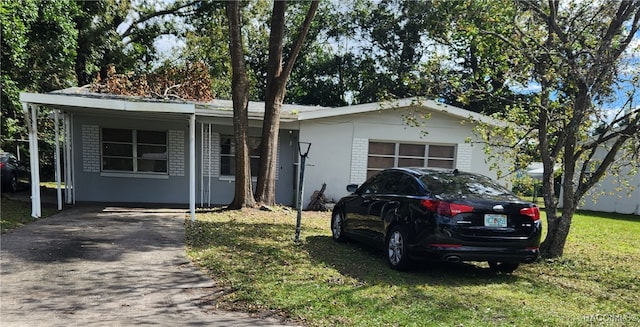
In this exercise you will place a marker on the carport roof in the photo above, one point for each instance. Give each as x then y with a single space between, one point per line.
80 99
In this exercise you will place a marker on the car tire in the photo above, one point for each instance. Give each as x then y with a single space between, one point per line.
503 267
337 226
396 248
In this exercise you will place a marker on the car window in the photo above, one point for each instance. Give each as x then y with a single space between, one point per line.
370 186
407 185
388 182
462 184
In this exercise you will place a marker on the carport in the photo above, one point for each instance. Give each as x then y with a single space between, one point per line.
65 106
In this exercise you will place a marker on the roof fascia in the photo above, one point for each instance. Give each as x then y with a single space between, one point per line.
401 103
59 100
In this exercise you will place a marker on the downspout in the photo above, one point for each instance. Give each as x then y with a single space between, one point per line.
31 116
192 167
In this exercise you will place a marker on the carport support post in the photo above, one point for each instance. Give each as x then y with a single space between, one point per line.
192 167
31 117
58 177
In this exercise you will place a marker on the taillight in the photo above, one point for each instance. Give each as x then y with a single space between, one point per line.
459 208
445 208
431 205
532 212
1 164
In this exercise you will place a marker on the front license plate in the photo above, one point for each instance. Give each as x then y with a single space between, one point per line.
495 220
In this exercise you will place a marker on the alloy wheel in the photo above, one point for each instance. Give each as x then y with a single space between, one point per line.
395 248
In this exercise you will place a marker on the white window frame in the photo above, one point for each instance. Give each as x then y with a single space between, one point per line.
396 155
134 144
231 175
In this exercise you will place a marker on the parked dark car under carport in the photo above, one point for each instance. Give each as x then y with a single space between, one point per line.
14 174
421 213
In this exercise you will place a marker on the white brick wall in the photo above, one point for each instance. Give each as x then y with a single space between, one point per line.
464 157
91 148
359 155
177 159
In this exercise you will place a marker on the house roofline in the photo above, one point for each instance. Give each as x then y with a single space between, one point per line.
415 102
61 100
80 98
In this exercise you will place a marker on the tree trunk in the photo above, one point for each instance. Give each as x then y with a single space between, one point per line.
558 228
243 196
265 188
277 77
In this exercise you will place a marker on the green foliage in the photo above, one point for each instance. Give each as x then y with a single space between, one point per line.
38 54
573 60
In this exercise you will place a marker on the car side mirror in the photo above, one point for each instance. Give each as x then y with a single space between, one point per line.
352 188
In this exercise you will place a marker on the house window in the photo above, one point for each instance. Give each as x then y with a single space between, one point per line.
228 153
134 150
384 155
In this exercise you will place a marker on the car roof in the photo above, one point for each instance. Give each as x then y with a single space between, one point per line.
421 171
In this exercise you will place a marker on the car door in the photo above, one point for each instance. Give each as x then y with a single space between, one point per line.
389 187
22 171
357 208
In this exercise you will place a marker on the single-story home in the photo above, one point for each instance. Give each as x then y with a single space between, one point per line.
131 149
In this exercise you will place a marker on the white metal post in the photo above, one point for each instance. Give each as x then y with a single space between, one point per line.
71 159
192 167
57 159
30 115
67 158
201 164
36 182
209 169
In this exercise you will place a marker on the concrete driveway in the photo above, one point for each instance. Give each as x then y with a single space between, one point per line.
101 266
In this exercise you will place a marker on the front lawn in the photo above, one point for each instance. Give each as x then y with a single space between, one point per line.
15 213
322 283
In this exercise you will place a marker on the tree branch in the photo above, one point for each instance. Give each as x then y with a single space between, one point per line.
302 34
168 11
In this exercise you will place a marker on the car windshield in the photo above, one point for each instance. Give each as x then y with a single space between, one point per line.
462 185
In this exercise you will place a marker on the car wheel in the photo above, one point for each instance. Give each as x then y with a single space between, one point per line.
337 226
397 244
503 267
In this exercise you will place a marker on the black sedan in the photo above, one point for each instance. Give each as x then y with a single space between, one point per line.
421 213
14 172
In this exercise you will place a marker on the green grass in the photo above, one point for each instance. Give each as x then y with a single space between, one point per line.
14 214
319 282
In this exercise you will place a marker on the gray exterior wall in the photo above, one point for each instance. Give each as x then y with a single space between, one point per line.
223 187
93 185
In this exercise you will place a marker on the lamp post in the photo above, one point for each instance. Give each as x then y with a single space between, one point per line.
303 157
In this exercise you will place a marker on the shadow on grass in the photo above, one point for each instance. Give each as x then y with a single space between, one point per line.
269 246
368 264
